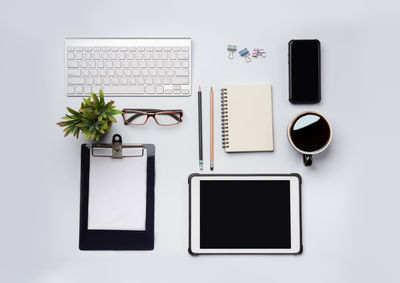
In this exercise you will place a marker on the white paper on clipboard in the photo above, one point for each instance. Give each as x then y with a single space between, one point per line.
117 193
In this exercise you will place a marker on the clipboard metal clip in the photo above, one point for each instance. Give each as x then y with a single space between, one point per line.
103 150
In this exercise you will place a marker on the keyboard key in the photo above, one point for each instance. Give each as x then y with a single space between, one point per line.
121 56
132 81
158 48
115 81
159 64
104 56
161 72
96 56
170 72
91 64
144 72
150 89
140 81
185 91
142 64
176 64
167 64
124 81
107 64
89 81
88 56
87 89
157 81
106 81
97 81
79 90
71 90
70 48
105 48
146 56
168 49
168 91
156 56
150 64
82 64
185 64
172 56
113 56
110 73
88 48
114 49
118 72
72 64
123 90
153 72
74 73
85 72
182 72
123 49
97 48
134 64
70 55
136 73
79 55
164 56
100 64
140 48
79 48
128 73
117 64
176 91
176 48
149 81
180 80
185 48
183 56
76 81
159 89
149 48
93 72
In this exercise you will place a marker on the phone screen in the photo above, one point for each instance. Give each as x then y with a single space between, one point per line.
304 71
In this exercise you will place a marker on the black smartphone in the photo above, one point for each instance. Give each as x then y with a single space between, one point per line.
304 71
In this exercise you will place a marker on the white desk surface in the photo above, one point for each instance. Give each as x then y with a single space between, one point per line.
350 196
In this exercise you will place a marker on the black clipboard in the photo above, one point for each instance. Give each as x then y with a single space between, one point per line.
116 239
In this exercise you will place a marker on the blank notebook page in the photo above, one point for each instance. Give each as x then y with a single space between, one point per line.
249 110
117 193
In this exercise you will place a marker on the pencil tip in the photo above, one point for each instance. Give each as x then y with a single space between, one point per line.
211 90
199 89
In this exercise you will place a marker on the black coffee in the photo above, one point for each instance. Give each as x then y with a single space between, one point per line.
310 132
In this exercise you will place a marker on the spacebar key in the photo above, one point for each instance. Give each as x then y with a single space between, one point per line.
123 90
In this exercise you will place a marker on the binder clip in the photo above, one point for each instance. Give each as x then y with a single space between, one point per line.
231 49
245 53
258 52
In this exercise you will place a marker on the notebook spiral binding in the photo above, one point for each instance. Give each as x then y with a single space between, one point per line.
224 118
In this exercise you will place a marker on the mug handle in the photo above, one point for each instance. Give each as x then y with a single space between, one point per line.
307 159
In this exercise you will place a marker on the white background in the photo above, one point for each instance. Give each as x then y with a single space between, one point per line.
350 195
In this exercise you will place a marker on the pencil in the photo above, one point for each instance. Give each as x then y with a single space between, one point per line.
200 132
211 129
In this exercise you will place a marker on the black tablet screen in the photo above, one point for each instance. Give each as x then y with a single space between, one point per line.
245 214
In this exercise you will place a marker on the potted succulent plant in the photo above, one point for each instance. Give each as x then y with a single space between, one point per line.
93 119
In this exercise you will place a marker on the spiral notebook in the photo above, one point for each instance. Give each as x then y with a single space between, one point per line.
247 118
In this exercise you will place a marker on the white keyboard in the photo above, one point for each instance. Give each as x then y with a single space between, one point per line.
128 66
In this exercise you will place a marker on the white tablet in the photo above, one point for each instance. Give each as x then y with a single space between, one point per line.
244 214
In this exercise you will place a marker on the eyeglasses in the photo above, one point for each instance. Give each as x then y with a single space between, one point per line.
162 117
